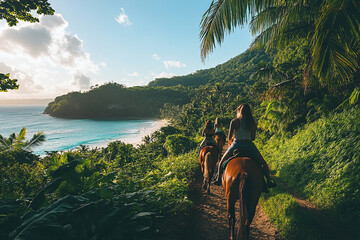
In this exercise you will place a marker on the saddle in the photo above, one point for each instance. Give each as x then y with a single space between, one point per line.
241 152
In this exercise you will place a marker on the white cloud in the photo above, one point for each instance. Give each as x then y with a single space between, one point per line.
176 64
155 56
25 80
45 55
123 18
134 74
163 75
82 80
34 40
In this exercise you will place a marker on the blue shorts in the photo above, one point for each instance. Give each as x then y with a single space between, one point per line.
250 146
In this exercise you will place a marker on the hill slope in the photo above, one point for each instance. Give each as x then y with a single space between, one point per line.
237 69
116 101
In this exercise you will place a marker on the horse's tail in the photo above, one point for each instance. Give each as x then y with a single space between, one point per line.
244 216
207 166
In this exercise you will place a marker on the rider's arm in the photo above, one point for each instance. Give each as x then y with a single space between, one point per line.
231 129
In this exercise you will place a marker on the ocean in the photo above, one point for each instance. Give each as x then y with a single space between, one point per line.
64 134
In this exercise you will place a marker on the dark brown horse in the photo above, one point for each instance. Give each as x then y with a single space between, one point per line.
208 157
242 180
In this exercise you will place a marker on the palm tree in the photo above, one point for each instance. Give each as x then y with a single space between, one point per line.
18 141
331 26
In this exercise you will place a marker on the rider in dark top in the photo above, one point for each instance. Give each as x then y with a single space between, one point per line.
243 128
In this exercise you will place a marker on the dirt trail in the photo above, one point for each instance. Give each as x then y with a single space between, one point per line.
209 218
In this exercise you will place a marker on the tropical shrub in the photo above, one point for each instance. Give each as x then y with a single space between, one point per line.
321 162
177 144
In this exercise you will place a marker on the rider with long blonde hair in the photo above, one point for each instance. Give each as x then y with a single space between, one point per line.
243 128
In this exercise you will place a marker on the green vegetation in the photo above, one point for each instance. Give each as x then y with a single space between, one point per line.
17 141
6 83
331 26
292 220
117 192
115 101
235 71
321 162
304 90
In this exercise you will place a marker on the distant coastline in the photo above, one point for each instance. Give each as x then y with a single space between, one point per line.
137 139
25 102
67 134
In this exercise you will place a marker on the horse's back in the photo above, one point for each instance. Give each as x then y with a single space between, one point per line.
233 171
208 149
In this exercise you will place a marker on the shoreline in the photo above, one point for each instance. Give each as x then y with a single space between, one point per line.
136 139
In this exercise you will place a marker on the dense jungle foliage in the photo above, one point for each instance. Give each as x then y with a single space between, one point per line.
116 192
114 101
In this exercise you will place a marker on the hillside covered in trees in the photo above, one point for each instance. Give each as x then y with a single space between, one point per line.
116 101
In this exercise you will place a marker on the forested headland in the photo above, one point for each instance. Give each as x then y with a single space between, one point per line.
114 100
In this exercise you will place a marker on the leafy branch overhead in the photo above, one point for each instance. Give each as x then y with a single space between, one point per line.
14 10
6 83
331 28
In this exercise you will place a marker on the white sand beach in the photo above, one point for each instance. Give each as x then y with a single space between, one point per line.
136 138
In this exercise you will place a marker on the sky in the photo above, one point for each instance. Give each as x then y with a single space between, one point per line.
89 42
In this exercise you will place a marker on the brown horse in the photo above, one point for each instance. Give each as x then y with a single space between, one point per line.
208 158
220 142
243 181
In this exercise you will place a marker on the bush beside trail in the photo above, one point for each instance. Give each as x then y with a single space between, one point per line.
321 162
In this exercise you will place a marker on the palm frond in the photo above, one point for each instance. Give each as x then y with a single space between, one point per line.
331 51
36 140
21 135
222 17
3 142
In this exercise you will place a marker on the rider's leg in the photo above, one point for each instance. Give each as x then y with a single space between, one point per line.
227 154
201 145
266 171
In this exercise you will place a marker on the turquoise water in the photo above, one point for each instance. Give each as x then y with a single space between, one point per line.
65 134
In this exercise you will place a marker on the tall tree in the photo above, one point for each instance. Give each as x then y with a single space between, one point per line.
331 26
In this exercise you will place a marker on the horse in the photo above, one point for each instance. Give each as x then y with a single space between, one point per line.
242 180
220 142
208 158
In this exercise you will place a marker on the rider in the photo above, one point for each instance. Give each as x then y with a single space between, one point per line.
208 134
243 127
219 129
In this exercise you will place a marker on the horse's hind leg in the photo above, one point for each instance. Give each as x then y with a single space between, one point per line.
231 215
